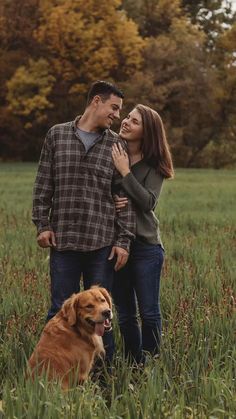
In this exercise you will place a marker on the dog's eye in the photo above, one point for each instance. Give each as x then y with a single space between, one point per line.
102 300
90 306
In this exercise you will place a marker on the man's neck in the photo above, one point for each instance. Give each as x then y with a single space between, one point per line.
86 123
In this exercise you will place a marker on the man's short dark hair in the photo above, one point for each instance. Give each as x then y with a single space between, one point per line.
104 89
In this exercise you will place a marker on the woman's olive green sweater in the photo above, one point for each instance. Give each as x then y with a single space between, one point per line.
143 185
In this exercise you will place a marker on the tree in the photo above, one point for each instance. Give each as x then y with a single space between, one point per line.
153 17
178 56
222 151
29 90
213 16
180 83
18 20
85 42
51 51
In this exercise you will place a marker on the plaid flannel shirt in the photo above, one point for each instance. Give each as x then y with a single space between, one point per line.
73 192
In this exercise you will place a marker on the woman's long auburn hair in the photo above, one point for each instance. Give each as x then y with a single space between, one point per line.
155 148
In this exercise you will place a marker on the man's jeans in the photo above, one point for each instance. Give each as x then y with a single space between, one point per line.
139 282
66 268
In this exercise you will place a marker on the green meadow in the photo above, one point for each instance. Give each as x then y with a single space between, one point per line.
194 377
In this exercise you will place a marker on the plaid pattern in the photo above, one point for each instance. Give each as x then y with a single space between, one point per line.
73 192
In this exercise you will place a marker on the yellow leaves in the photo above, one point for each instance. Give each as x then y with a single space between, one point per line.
60 31
29 88
82 41
89 40
128 45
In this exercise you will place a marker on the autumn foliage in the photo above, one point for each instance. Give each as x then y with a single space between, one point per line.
165 53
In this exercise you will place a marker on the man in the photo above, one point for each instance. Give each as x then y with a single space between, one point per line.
73 207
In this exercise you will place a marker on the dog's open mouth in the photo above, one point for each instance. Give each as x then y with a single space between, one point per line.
100 327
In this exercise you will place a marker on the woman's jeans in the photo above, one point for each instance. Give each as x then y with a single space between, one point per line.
138 283
66 268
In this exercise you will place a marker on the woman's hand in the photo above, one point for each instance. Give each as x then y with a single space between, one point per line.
120 202
120 159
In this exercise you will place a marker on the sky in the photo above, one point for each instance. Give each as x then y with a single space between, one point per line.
233 4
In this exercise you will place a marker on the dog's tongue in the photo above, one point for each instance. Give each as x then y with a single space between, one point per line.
99 329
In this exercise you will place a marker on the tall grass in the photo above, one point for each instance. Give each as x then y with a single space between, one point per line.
195 374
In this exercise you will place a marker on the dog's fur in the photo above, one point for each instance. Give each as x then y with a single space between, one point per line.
71 340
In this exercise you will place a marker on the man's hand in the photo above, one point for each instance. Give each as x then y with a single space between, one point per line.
121 257
46 239
120 202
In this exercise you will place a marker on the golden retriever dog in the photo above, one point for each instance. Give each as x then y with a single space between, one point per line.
72 340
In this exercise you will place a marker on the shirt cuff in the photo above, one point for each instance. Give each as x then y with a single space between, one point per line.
43 227
125 244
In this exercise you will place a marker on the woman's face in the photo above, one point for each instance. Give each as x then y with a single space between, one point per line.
132 127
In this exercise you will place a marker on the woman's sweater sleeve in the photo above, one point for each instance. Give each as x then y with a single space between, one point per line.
144 196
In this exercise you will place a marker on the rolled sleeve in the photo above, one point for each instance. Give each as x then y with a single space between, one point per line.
43 188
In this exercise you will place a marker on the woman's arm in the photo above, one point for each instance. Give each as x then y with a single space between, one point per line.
144 196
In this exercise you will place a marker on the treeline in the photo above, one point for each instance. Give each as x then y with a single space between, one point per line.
177 56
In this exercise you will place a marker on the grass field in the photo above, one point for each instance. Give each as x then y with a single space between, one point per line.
195 374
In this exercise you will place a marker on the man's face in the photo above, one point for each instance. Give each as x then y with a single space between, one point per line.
107 111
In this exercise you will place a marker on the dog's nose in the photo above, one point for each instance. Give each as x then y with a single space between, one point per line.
106 314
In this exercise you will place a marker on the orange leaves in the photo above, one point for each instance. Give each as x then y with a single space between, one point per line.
88 41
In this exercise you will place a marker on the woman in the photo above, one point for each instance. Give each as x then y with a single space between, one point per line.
139 281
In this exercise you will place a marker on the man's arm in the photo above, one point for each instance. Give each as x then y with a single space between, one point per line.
43 195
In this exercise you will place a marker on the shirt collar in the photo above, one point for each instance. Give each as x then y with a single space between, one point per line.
75 122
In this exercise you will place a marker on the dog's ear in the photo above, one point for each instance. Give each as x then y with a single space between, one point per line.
106 295
69 309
